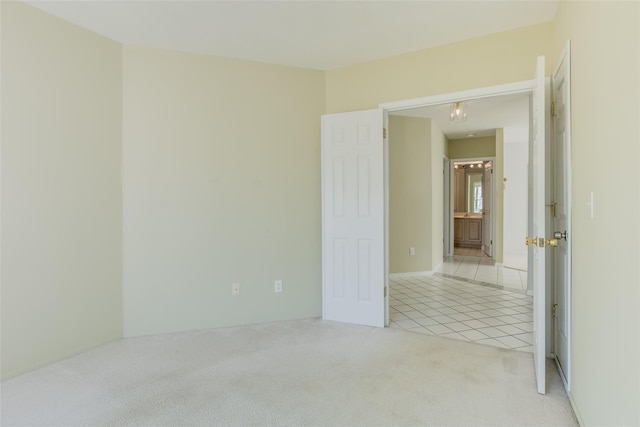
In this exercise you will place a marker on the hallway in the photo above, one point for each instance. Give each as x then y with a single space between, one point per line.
484 304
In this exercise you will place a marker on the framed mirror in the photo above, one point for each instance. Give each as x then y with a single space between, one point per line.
474 192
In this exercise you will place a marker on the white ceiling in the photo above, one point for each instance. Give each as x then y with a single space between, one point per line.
484 116
311 34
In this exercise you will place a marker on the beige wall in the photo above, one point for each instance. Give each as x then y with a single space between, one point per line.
61 194
222 186
605 114
416 151
472 147
438 149
409 194
495 59
206 195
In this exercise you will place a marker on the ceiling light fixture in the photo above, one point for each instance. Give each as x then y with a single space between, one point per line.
458 112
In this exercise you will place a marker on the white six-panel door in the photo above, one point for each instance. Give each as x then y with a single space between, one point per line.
353 217
562 218
537 186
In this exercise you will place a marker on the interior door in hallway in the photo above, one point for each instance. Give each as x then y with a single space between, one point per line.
487 202
353 262
561 211
537 224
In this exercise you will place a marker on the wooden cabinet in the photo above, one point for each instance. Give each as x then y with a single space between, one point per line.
467 232
458 230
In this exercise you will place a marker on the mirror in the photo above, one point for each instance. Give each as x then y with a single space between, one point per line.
474 192
468 191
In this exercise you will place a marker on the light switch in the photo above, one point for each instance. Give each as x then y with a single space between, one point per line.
590 205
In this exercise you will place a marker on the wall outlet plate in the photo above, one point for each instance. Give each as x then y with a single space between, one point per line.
277 285
235 289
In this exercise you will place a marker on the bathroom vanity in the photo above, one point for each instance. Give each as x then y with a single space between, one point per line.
467 229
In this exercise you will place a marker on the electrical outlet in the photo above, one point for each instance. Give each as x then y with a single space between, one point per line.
412 251
235 289
277 286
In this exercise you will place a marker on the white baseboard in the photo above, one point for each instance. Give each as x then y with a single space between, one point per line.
411 274
437 267
515 261
575 409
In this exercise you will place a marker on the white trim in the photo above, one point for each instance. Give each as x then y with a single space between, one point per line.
447 207
525 86
385 178
575 410
411 274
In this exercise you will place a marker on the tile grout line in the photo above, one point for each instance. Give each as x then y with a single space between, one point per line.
451 320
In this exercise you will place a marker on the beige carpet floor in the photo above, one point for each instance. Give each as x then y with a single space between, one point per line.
297 373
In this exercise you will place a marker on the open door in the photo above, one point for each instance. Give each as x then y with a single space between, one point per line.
353 272
561 207
487 202
537 224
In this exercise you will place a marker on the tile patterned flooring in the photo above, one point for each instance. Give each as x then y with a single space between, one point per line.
462 310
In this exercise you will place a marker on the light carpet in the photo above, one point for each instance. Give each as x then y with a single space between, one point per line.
296 373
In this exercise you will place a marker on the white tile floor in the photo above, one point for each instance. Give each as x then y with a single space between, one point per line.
483 270
462 310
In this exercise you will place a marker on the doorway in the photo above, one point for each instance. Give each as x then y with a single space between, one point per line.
342 254
472 207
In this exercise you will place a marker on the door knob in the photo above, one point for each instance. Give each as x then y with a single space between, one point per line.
560 235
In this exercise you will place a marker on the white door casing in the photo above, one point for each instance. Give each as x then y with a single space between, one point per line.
446 207
537 219
353 228
487 212
561 123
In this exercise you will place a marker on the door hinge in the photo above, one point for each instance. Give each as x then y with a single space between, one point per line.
385 291
491 170
554 310
491 242
384 133
554 110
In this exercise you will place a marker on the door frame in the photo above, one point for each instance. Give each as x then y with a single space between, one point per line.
521 87
447 247
451 191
